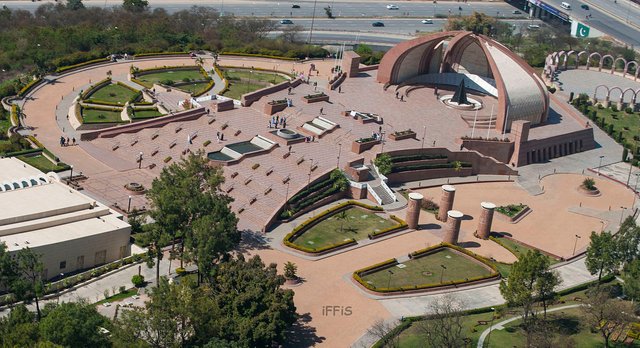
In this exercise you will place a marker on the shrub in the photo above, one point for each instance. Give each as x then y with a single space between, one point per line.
383 162
138 281
628 110
290 270
600 106
429 205
589 184
614 108
123 289
180 271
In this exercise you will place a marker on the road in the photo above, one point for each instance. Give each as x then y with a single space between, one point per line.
620 19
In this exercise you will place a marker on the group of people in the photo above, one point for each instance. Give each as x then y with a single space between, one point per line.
276 121
376 136
310 139
65 142
398 96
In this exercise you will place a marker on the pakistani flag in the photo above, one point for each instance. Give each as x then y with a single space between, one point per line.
582 30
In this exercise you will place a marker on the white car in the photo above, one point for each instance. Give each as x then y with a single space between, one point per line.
392 7
533 27
426 21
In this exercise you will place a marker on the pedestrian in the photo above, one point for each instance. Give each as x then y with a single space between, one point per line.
284 124
218 137
402 98
321 111
397 94
313 138
189 139
339 89
74 141
435 91
67 143
61 141
289 148
289 91
222 136
434 143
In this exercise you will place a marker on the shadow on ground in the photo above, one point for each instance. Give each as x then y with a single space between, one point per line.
302 334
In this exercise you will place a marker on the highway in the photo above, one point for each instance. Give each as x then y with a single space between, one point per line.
620 20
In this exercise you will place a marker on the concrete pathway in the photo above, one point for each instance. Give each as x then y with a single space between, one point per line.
500 325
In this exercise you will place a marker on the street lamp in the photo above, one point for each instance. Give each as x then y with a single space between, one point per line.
635 191
339 153
491 326
140 160
600 165
576 243
442 273
424 136
389 279
310 166
313 18
602 229
129 205
622 214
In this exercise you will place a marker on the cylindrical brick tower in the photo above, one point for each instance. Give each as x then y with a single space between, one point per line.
413 210
446 201
486 218
452 227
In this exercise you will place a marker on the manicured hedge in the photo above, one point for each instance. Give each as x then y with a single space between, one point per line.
423 252
257 55
69 67
428 166
205 89
407 158
23 152
93 88
314 220
401 226
150 54
15 112
28 87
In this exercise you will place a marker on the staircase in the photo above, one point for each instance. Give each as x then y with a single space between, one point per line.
385 198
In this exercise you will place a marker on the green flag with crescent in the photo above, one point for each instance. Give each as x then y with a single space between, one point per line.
582 30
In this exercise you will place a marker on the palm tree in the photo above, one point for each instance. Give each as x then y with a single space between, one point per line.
342 216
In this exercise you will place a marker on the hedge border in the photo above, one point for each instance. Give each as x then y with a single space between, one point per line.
208 87
94 88
424 252
24 90
316 219
401 226
257 55
151 54
13 115
89 62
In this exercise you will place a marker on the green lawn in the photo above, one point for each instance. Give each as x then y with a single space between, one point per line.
113 93
119 296
566 322
511 210
193 87
428 270
519 249
174 75
246 74
100 116
237 89
357 225
627 123
43 164
146 114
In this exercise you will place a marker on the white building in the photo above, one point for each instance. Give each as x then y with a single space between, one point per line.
70 230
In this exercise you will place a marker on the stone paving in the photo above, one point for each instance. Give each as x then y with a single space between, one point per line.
585 81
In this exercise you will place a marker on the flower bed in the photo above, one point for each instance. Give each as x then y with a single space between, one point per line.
401 135
274 106
314 98
513 212
363 144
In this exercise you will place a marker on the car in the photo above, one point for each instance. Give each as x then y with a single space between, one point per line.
295 6
516 12
286 21
377 24
426 21
392 7
584 7
533 27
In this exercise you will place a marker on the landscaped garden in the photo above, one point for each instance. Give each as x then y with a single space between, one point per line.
243 81
113 93
332 185
440 265
511 210
43 164
351 223
517 249
99 115
145 113
190 79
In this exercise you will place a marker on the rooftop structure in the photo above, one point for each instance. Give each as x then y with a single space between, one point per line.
70 230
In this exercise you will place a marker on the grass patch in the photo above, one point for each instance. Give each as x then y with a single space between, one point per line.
170 75
193 87
119 296
238 88
142 114
519 249
43 164
113 93
511 210
244 74
358 224
428 270
101 116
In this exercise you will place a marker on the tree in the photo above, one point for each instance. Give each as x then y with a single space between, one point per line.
290 270
19 328
606 314
74 324
384 163
627 241
545 289
340 182
75 5
442 327
342 216
528 273
187 202
135 5
631 277
381 331
601 254
291 33
8 267
28 284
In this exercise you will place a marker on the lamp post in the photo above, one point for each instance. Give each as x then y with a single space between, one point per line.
140 160
129 205
389 279
635 191
310 166
600 165
339 153
576 243
491 326
629 158
622 214
424 135
602 228
442 273
313 19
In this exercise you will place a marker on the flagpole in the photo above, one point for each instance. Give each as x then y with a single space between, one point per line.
506 120
473 131
490 118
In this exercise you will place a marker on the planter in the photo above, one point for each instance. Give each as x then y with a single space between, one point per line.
272 107
403 135
590 193
360 147
516 218
225 105
314 98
